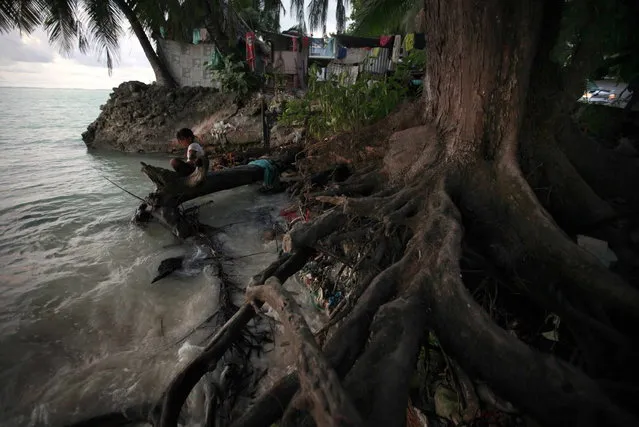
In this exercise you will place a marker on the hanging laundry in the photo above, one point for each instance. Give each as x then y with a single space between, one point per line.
330 48
204 34
305 42
375 52
295 45
353 56
409 42
397 46
342 52
420 41
250 50
217 61
196 36
385 40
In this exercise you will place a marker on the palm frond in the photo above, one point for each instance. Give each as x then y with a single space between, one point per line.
104 25
318 14
374 17
23 15
83 40
153 14
341 15
61 24
297 8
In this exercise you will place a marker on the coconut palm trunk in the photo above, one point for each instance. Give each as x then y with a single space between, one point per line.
162 74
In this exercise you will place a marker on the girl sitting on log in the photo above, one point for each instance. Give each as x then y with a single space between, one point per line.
194 153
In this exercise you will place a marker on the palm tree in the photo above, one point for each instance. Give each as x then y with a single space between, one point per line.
318 13
371 17
87 24
376 17
224 20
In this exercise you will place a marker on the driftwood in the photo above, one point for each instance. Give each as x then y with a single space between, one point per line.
172 189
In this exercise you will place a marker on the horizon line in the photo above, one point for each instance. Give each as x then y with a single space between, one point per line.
57 88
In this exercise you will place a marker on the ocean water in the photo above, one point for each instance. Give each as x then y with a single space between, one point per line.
82 330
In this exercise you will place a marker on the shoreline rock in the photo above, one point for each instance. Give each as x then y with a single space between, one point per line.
145 118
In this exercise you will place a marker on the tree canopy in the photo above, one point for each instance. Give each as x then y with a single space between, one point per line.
82 24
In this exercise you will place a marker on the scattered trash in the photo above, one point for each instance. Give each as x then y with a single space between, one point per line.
553 334
447 404
415 417
316 277
219 130
626 147
599 248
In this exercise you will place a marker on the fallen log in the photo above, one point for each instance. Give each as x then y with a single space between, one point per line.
172 189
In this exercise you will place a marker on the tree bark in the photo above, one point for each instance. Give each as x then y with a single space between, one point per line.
162 74
173 190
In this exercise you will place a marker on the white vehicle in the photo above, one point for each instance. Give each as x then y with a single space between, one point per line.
607 92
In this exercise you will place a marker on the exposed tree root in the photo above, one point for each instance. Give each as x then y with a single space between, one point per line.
562 190
610 174
342 349
271 405
307 235
555 392
133 415
330 405
523 234
183 383
379 380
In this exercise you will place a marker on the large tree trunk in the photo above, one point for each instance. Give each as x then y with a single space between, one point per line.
162 74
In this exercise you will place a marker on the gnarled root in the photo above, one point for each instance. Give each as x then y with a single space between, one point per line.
425 290
546 387
610 174
183 383
330 404
373 349
523 234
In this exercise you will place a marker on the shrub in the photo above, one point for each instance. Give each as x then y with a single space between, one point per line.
233 75
334 106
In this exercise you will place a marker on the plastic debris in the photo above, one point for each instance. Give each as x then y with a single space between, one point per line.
599 248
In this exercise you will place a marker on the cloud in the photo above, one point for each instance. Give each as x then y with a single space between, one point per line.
69 74
14 48
30 61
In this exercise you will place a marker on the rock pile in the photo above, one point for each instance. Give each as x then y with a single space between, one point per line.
144 118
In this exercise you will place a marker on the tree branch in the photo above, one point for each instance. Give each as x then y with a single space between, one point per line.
183 383
330 404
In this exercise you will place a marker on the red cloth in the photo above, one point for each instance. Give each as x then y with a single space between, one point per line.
295 46
305 42
384 40
291 214
250 50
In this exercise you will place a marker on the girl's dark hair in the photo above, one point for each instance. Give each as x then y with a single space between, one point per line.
185 133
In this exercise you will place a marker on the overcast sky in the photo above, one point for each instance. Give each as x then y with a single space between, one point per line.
29 61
